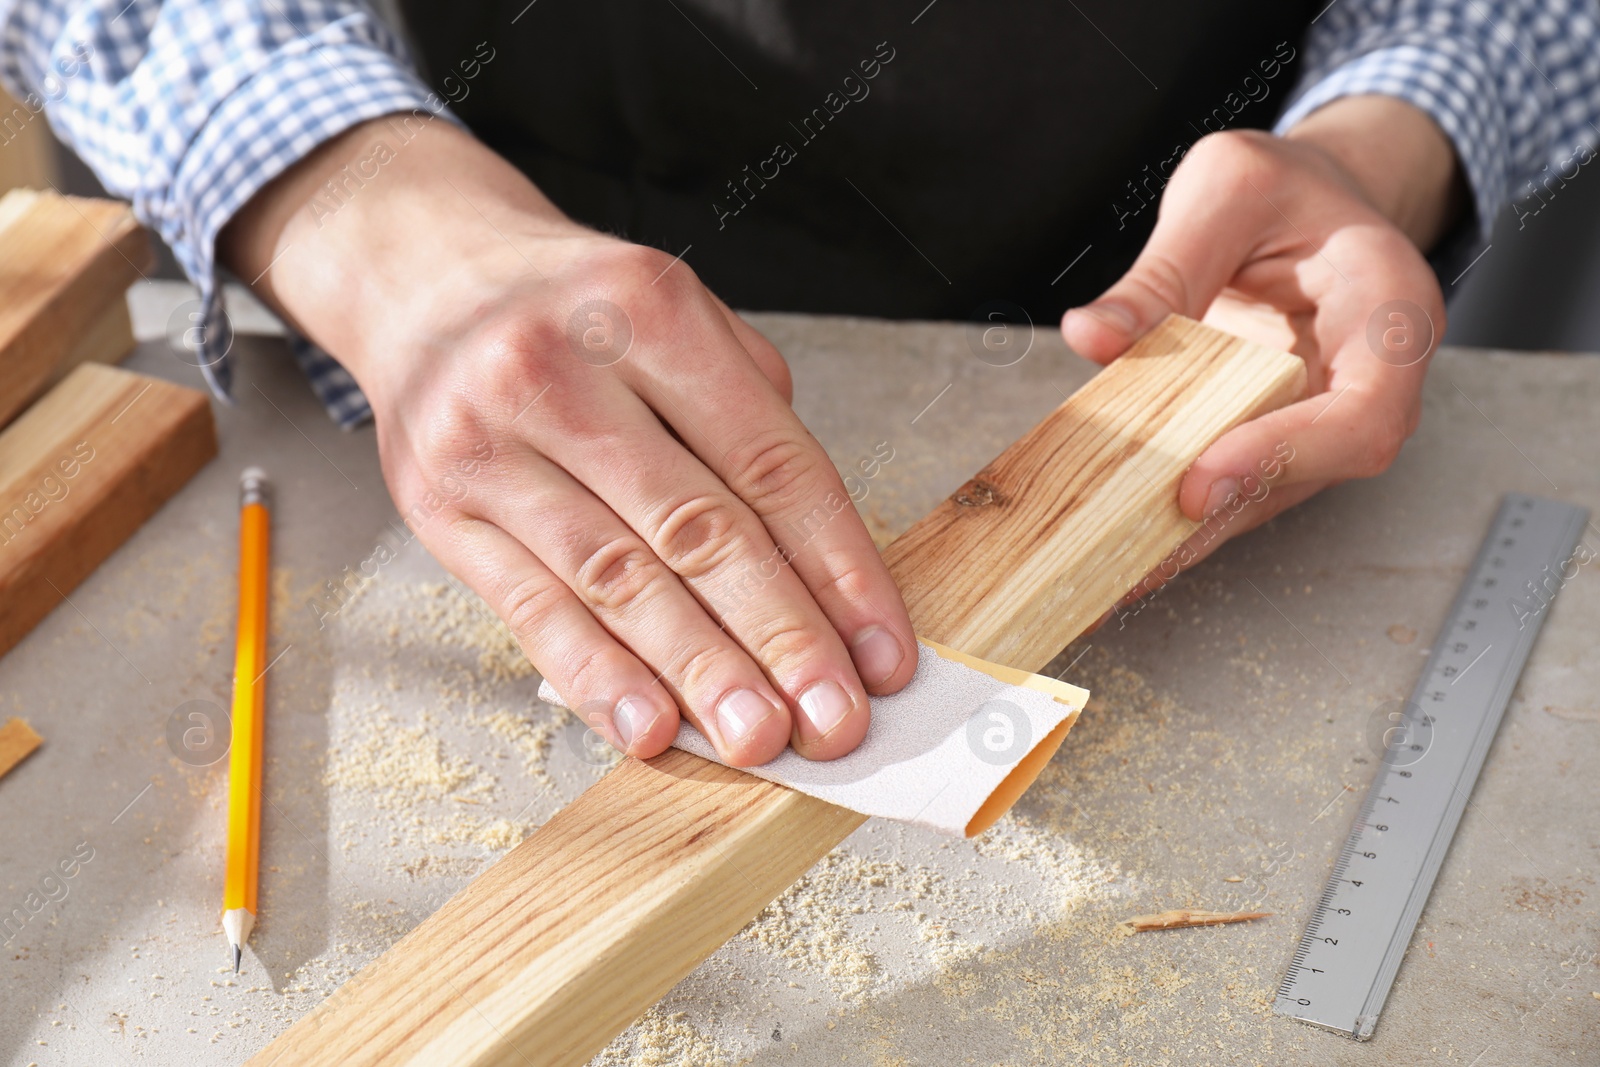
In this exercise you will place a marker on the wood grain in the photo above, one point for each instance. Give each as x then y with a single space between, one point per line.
1085 504
65 266
80 471
563 942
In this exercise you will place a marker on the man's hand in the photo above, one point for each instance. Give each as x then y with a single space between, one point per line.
1308 243
593 442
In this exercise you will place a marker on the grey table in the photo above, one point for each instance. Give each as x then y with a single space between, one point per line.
1220 763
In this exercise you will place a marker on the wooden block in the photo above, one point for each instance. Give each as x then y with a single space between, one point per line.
27 149
65 265
17 742
107 338
80 471
564 941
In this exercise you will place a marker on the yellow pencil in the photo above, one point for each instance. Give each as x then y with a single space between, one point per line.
249 693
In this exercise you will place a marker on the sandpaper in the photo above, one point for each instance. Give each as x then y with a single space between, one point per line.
952 751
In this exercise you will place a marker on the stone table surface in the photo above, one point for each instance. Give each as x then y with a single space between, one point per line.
1219 765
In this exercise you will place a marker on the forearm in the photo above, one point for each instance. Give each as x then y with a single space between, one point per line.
1398 158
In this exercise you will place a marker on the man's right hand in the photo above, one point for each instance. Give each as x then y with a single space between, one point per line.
591 440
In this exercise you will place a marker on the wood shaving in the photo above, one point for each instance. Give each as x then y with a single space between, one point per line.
1179 918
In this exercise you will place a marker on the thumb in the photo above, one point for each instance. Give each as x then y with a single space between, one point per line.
1200 242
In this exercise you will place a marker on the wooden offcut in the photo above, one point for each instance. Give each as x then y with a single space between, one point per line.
65 266
17 742
27 151
80 471
569 937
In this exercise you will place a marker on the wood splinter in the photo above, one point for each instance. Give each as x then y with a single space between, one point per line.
1183 917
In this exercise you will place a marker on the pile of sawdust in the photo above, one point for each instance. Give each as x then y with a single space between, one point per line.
399 765
457 616
408 769
456 647
809 925
662 1039
533 735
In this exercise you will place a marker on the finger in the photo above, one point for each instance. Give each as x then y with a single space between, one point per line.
1211 216
751 440
603 682
1346 433
1373 398
623 583
765 354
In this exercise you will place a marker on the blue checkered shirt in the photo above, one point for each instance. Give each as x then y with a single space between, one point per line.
188 107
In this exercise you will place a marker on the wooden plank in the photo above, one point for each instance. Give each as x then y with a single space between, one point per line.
565 940
1098 489
65 265
80 471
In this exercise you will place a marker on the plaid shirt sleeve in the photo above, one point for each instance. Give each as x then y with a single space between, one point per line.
1514 84
188 107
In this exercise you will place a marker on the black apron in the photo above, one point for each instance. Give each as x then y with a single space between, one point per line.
840 157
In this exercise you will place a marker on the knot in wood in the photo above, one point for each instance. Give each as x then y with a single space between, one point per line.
977 494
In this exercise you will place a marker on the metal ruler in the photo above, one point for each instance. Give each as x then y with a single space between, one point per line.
1433 747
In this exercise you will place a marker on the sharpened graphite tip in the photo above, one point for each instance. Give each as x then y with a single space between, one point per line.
237 952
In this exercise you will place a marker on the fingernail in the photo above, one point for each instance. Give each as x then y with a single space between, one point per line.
825 705
877 654
1222 491
1116 316
740 712
633 718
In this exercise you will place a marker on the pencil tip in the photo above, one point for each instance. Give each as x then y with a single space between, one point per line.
237 952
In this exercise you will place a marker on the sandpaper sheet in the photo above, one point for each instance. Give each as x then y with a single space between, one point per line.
952 751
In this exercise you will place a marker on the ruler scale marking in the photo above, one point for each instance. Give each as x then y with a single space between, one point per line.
1357 936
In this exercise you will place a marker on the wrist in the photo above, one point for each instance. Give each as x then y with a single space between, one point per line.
1397 157
386 235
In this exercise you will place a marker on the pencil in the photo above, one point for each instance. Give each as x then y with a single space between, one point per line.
249 693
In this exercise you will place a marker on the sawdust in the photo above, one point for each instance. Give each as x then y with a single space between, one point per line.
533 735
398 765
809 926
408 769
1136 749
663 1039
456 616
425 770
